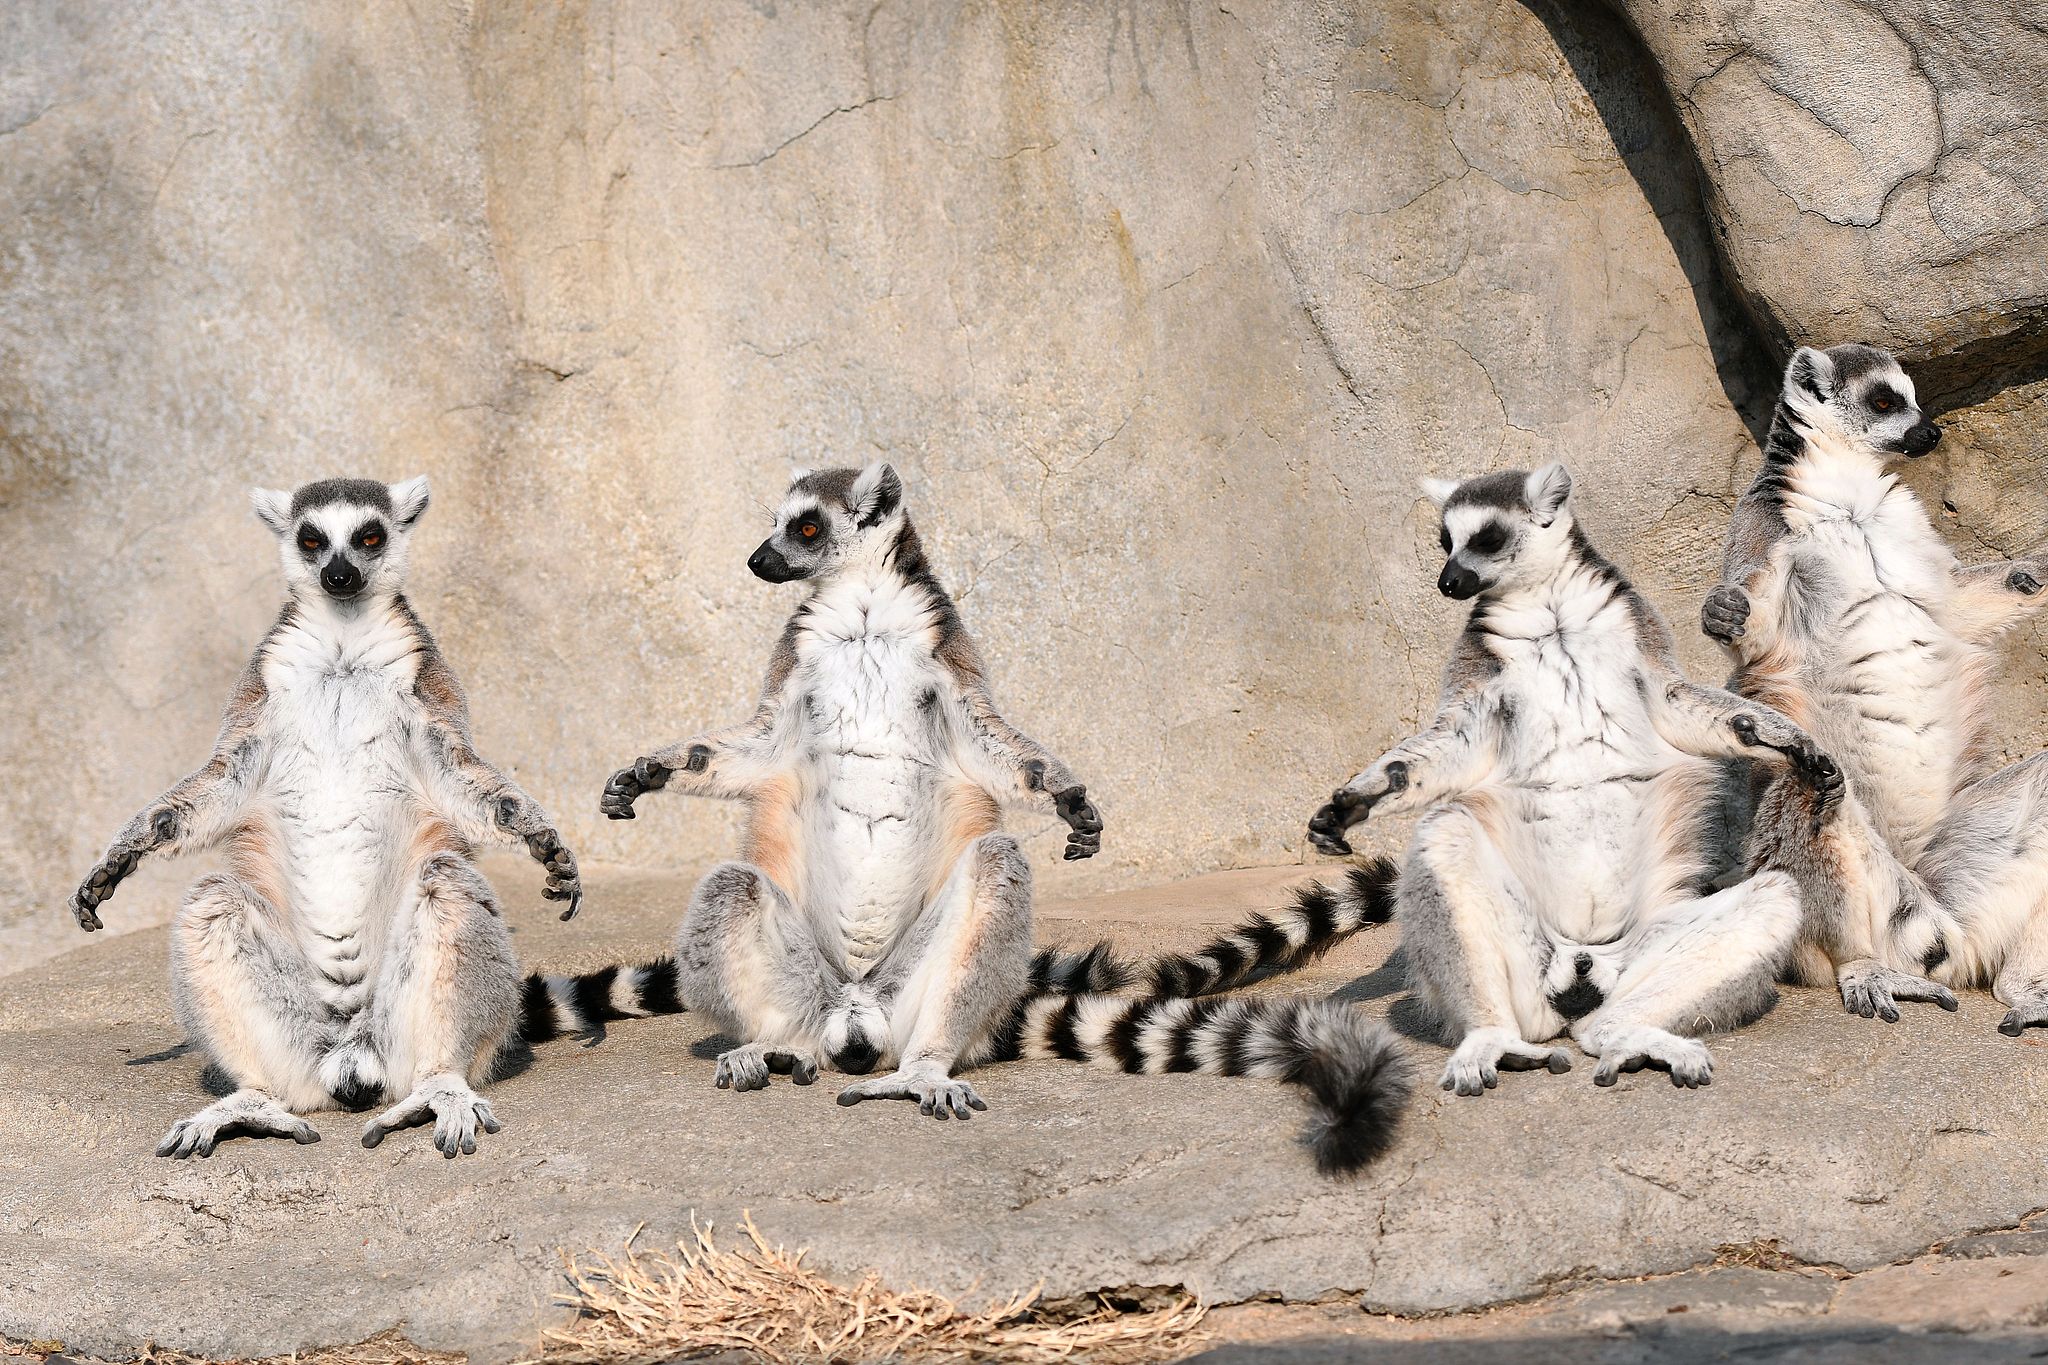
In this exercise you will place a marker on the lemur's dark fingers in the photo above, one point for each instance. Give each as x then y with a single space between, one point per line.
1326 831
575 903
653 776
83 913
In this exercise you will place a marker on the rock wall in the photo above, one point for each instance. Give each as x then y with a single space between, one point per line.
1162 309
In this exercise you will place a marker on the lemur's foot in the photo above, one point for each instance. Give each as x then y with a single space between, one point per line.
457 1112
937 1094
1475 1067
1635 1046
248 1113
628 785
2023 1016
1084 823
1821 774
748 1067
1874 991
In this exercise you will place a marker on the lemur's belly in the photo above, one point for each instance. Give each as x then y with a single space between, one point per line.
1888 684
873 798
1580 779
350 804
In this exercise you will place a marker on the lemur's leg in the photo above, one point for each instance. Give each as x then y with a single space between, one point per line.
445 1000
1986 869
1851 888
1476 952
243 990
1692 967
749 960
951 980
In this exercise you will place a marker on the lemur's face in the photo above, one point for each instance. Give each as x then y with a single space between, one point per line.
1493 524
1861 394
342 540
829 518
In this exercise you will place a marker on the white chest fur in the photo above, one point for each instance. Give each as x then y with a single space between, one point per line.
1865 585
339 725
871 744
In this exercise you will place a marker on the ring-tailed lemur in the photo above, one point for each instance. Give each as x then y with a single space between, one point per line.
1557 879
352 952
1843 608
879 917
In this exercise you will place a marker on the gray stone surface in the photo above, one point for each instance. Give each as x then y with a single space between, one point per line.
1850 1142
1162 310
1878 169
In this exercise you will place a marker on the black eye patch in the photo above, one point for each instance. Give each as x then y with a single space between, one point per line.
807 528
310 539
1489 540
370 536
1884 398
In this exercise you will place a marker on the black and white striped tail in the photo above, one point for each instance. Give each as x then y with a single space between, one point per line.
1063 971
1321 917
573 1006
1355 1070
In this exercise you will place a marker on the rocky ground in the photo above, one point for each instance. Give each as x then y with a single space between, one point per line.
1759 1218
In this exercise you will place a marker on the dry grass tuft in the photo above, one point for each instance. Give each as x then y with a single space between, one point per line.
648 1307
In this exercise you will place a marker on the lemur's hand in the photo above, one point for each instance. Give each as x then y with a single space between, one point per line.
565 883
520 817
1351 803
646 775
1084 822
1725 615
1821 774
2025 579
159 827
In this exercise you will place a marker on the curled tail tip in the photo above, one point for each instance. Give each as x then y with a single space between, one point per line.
1361 1087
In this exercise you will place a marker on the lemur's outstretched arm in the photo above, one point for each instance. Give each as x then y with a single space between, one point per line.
728 764
195 813
1453 755
1708 722
1990 598
1023 769
482 801
1756 525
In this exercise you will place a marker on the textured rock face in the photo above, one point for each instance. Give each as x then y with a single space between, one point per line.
1161 310
1879 168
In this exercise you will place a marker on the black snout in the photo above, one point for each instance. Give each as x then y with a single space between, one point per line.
341 579
1920 438
767 562
1457 582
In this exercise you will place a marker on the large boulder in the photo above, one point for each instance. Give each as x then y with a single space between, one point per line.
1877 170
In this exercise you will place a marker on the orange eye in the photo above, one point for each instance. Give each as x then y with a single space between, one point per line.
809 530
310 542
373 540
1882 405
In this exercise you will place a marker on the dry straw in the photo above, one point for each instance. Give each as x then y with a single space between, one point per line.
647 1307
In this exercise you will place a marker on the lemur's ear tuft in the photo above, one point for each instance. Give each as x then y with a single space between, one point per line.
877 493
1810 376
273 509
1439 491
1547 490
409 500
799 472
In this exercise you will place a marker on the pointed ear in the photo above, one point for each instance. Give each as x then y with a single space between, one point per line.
273 509
409 501
798 472
1546 490
877 493
1810 377
1439 491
